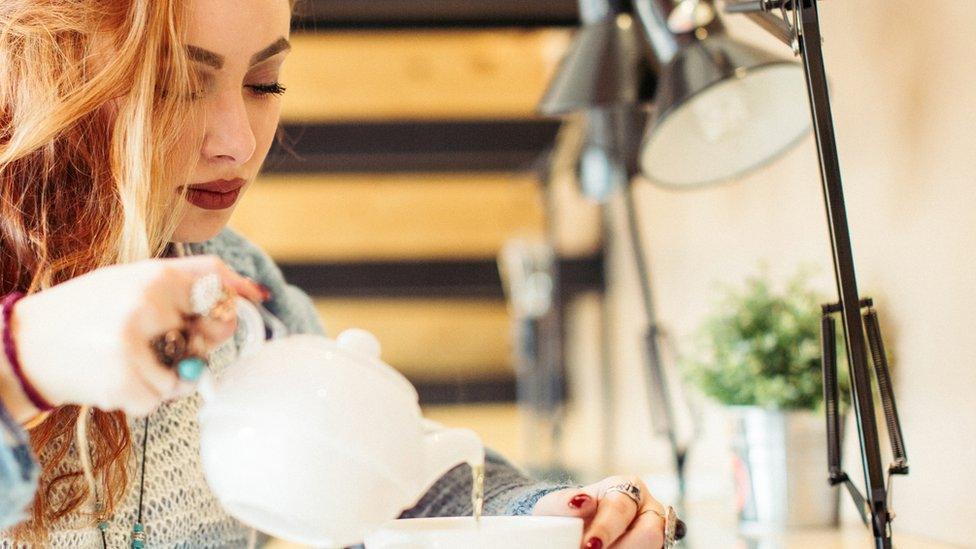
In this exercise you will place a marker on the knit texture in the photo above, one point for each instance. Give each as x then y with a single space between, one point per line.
178 508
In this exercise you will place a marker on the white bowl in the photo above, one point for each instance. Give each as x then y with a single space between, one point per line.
493 533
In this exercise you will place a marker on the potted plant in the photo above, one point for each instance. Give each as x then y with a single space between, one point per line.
759 355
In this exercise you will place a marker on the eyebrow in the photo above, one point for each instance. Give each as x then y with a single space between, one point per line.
216 60
278 46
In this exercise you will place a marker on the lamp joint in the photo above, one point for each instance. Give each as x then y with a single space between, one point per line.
830 308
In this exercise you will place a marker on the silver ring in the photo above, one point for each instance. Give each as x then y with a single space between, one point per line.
628 489
209 297
670 525
670 518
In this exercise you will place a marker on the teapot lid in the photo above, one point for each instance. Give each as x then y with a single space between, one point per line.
362 347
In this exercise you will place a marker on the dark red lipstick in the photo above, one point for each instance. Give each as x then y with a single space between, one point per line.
215 195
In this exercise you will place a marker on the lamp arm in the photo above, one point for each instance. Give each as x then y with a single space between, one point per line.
595 11
760 12
863 401
666 40
806 41
663 416
653 18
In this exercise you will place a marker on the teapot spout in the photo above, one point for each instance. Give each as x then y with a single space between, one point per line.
446 448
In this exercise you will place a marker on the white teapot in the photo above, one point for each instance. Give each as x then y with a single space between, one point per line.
318 441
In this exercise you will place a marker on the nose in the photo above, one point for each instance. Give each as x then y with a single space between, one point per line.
229 138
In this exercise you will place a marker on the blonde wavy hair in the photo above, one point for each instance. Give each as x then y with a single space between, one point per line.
92 113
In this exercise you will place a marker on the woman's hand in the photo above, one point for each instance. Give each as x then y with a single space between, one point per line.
611 518
87 341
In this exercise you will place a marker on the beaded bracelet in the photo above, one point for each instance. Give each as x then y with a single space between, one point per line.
10 351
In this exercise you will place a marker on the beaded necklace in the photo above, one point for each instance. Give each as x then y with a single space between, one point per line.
138 529
138 534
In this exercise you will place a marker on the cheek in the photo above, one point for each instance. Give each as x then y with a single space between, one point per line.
190 141
264 125
184 155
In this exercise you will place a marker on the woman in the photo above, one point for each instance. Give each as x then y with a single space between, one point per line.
128 131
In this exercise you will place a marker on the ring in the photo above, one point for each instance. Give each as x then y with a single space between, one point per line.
674 528
628 489
170 347
670 527
171 350
210 298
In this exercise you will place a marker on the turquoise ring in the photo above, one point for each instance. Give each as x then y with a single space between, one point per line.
191 368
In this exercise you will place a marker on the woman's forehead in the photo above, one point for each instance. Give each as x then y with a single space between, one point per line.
237 30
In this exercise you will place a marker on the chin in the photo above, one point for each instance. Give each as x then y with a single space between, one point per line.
200 227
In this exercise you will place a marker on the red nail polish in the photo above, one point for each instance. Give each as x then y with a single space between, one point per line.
264 290
594 543
578 501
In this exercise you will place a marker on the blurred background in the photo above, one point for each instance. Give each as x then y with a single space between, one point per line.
418 195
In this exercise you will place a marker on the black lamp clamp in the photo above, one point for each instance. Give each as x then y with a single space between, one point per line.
797 24
879 359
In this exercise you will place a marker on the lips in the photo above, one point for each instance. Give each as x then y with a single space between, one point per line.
215 195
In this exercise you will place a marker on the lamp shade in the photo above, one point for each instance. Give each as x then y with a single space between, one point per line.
724 109
605 66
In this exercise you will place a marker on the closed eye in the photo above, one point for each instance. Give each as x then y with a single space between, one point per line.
272 88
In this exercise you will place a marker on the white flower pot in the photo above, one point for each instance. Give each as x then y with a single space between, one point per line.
780 467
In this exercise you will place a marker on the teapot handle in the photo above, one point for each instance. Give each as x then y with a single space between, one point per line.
250 319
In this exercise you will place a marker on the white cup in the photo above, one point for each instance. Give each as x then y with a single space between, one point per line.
493 533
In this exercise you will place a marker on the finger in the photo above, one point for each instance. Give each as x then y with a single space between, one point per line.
196 360
212 332
147 364
615 512
162 381
646 532
134 396
215 328
571 502
195 347
183 389
196 266
165 378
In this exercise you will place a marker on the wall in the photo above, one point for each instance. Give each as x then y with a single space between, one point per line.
903 80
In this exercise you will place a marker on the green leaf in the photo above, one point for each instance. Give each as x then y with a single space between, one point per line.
761 347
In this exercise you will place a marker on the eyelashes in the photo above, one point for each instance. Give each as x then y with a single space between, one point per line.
272 88
261 90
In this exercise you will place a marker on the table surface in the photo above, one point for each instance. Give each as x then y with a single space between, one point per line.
848 537
712 522
722 533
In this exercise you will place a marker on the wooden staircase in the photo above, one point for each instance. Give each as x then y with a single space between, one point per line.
410 156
